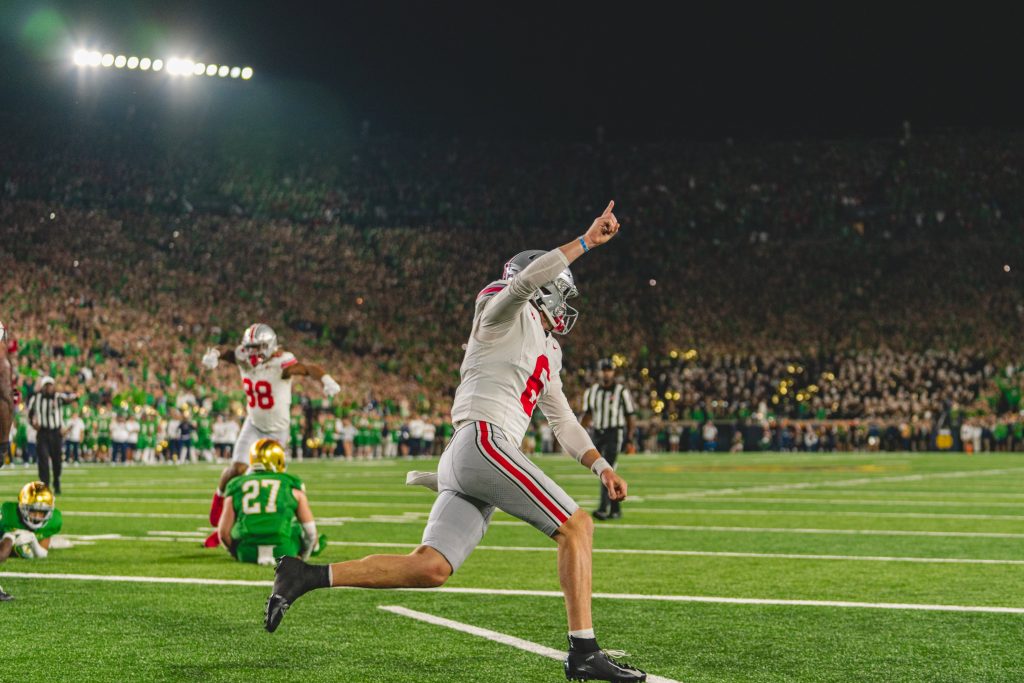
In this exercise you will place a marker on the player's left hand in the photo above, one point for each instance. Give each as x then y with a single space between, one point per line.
331 387
615 484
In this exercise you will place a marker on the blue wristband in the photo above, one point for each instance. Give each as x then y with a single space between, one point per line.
583 242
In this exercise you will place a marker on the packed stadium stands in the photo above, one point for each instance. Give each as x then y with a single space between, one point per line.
866 282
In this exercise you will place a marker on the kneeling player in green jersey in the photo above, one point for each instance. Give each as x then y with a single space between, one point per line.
266 513
27 526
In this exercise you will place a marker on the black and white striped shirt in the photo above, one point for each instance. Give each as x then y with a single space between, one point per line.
608 407
47 410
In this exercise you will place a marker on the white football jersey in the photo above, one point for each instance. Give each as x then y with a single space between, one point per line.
503 379
268 394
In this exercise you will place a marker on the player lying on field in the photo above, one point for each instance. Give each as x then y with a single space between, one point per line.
27 526
512 364
266 513
267 372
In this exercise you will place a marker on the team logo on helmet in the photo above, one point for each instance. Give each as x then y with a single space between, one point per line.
35 504
267 455
552 298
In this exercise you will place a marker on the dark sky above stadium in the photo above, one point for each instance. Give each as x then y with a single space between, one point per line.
554 68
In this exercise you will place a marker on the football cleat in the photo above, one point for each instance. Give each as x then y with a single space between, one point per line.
600 665
425 479
293 578
5 597
600 515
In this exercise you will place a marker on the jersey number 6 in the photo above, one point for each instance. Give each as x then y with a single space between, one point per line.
260 394
535 385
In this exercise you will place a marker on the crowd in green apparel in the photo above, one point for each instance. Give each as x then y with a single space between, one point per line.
878 262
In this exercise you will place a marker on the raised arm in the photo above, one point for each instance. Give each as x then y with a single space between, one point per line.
303 370
214 355
330 385
502 308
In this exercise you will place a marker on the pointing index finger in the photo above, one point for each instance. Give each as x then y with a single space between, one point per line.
607 211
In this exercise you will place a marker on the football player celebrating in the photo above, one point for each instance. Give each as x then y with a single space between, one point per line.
512 364
27 526
266 512
6 397
267 372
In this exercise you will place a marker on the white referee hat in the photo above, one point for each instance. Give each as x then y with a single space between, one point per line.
45 380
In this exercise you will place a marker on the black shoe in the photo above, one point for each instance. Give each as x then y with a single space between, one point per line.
615 515
599 666
5 597
293 578
600 514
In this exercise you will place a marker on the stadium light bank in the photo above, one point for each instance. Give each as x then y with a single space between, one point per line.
174 66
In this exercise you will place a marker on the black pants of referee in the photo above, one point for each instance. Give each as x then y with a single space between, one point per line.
608 442
48 450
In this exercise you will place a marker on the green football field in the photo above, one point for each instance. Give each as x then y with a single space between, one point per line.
754 567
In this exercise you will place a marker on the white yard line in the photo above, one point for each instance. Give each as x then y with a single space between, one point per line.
830 513
860 481
133 515
1018 505
983 609
419 517
195 537
653 510
493 636
206 501
614 526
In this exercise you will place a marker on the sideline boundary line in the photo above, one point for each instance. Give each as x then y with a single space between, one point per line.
781 602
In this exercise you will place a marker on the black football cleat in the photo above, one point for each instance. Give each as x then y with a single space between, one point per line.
615 515
600 666
293 578
600 515
5 597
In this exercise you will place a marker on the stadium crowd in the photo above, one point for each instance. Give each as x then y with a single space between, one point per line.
851 287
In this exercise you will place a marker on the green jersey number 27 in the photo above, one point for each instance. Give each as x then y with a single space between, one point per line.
252 500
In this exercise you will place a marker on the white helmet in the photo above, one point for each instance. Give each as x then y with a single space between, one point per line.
551 298
3 332
259 342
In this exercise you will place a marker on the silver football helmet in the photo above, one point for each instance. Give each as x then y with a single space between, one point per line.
3 332
551 299
259 342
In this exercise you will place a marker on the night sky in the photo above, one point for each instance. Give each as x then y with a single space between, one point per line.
558 69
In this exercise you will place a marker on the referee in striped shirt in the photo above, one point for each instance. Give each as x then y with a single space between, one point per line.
608 408
46 415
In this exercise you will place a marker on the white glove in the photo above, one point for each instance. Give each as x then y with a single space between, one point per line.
331 388
23 537
19 536
211 358
310 540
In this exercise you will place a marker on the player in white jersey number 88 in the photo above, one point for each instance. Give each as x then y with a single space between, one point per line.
512 364
267 372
